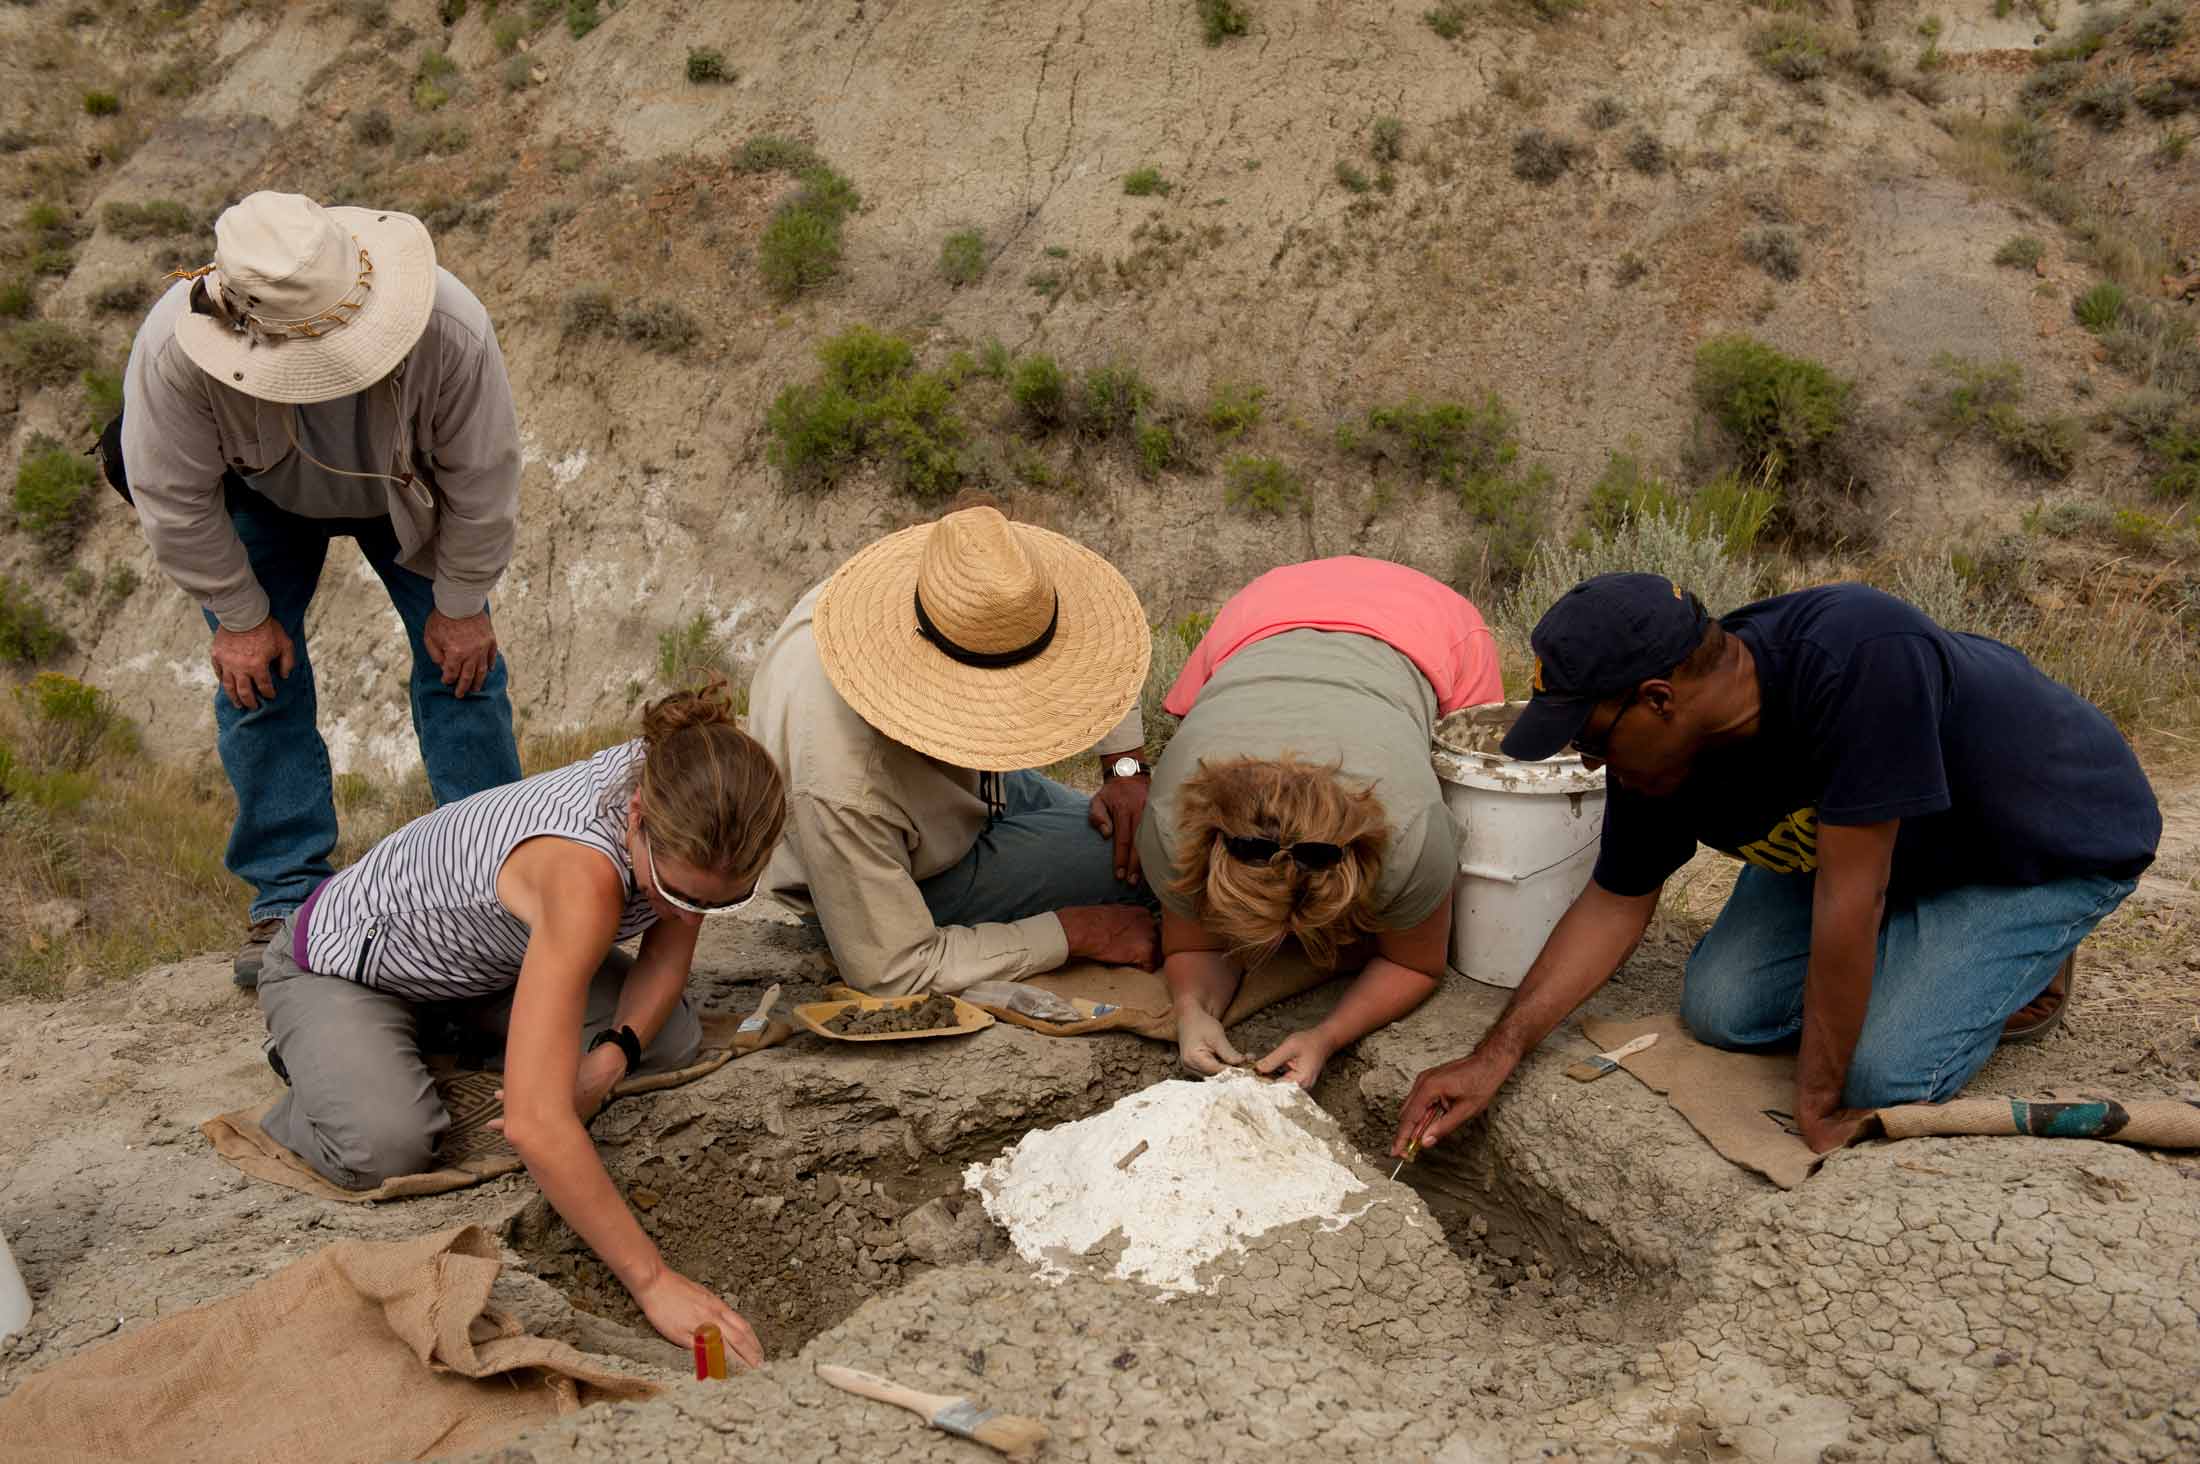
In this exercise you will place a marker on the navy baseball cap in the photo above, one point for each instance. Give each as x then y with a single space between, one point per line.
1605 636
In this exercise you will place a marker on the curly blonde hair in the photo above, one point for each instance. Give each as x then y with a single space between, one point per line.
1257 906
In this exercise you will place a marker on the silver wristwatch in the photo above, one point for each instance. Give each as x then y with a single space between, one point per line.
1126 766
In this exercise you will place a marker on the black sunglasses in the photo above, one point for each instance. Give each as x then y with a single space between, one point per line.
1307 854
1600 746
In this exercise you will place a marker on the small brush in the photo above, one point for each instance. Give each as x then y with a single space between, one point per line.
1413 1145
1589 1069
1017 1437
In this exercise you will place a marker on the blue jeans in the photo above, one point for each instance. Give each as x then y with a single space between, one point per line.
1953 966
276 761
1041 854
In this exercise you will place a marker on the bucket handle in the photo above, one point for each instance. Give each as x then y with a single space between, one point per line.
1502 876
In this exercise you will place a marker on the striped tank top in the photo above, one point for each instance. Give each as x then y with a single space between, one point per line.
419 917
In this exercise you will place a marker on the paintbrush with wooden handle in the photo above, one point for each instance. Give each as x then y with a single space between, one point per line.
1019 1438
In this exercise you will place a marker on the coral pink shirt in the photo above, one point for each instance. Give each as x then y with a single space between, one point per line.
1433 626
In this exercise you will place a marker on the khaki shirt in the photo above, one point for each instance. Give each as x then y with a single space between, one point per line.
447 413
868 817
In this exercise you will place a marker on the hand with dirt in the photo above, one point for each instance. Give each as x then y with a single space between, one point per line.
1832 1130
1445 1097
1115 812
1200 1042
1299 1057
248 663
1114 935
677 1306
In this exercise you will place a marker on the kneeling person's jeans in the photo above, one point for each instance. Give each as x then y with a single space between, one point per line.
1954 965
1041 854
362 1107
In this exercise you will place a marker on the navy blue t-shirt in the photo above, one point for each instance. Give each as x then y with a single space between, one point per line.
1873 712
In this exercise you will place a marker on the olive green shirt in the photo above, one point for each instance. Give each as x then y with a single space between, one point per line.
1326 697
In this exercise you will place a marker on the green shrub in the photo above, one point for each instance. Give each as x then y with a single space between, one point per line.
2024 251
1778 409
2100 307
507 31
2103 103
101 104
1234 408
1145 183
1645 154
2157 27
16 300
2178 449
121 297
1973 389
519 73
1774 250
917 428
1692 555
659 326
2044 446
864 363
2083 43
770 153
962 257
121 583
1261 485
1542 157
2167 96
1112 399
1040 392
691 653
2028 145
77 581
1158 448
581 17
27 634
102 398
1449 443
1386 139
43 352
67 720
2049 84
995 360
428 96
372 128
158 219
815 431
436 66
50 495
1352 178
800 249
706 64
1448 20
1221 19
1790 48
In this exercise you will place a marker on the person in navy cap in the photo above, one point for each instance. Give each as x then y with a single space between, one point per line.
1928 827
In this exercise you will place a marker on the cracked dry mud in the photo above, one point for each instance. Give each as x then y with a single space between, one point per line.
1581 1272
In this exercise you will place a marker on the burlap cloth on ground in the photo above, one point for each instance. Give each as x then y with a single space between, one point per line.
364 1351
1743 1103
471 1151
1126 999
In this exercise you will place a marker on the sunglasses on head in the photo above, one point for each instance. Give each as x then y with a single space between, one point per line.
679 901
1307 853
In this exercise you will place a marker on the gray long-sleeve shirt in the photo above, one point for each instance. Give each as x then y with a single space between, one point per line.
447 415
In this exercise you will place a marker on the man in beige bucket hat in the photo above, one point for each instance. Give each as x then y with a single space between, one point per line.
905 699
324 379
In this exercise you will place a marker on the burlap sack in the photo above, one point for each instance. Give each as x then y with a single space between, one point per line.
472 1151
1126 999
365 1351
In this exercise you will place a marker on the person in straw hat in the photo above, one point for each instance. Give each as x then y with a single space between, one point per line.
1297 801
905 699
323 378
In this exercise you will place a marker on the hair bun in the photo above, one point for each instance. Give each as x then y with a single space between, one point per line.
707 704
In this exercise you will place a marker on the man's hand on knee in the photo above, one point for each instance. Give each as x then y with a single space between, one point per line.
464 648
248 662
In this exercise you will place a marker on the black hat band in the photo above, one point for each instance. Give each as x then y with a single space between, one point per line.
991 660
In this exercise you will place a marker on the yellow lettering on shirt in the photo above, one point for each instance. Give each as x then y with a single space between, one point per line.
1791 847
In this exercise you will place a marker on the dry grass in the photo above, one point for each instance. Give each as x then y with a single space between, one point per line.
2008 157
138 845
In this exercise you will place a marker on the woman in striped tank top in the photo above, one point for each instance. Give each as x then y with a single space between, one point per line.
500 916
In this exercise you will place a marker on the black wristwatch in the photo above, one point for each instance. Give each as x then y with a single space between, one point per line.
629 1045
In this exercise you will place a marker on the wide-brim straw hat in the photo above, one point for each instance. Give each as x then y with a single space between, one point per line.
307 304
985 644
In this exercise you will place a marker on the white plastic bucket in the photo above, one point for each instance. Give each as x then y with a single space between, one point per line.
1528 838
15 1297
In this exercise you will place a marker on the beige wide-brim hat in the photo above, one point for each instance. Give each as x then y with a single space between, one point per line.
305 303
1027 649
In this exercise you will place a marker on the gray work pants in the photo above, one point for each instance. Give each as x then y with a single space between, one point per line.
362 1107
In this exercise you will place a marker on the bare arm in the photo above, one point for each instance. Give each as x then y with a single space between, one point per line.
1202 983
570 896
1402 974
1597 932
1848 901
